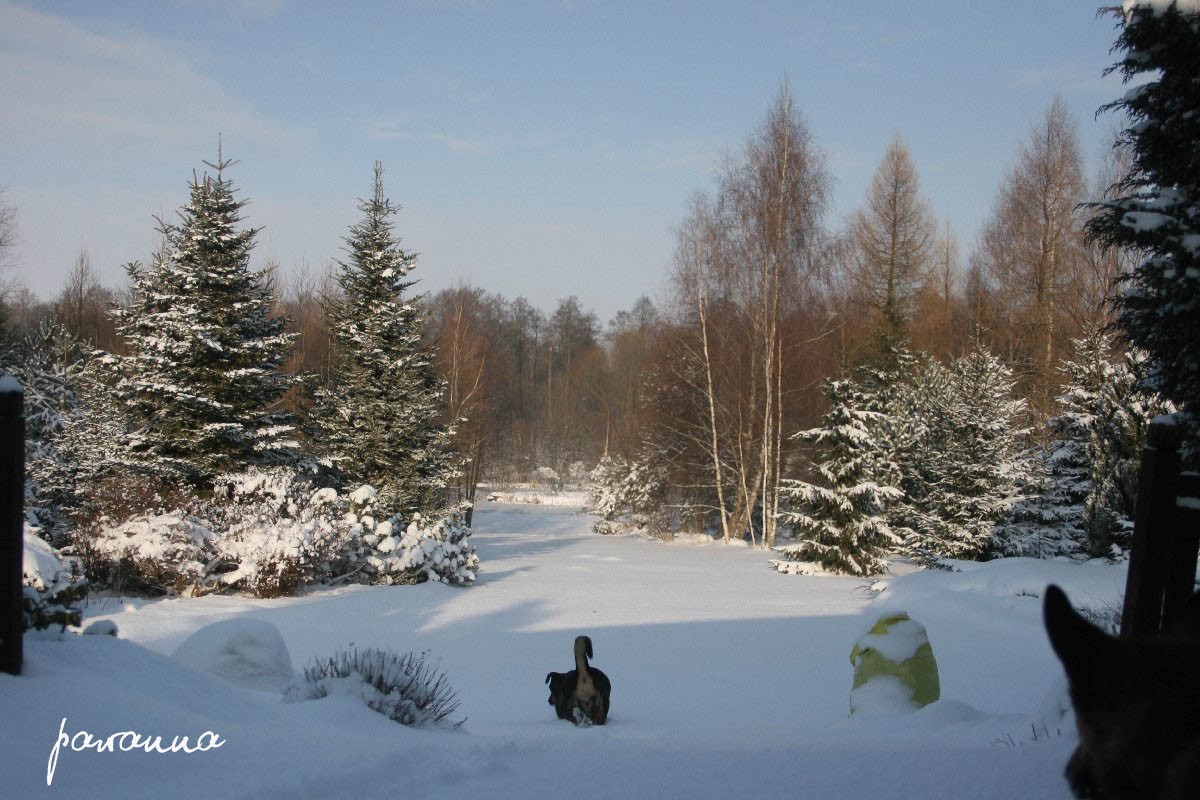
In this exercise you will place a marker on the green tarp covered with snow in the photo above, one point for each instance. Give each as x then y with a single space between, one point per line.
894 668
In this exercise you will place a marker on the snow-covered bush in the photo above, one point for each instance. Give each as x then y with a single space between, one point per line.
607 486
626 494
550 476
280 531
53 588
427 550
156 553
277 558
404 688
270 532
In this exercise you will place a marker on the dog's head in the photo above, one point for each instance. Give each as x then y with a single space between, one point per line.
1137 706
555 681
583 646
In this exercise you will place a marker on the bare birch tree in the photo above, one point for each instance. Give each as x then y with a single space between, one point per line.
747 260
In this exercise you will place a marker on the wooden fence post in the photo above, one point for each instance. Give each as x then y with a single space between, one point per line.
12 522
1185 547
1158 482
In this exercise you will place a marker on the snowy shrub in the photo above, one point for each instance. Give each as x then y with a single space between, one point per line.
277 489
608 480
118 497
439 550
550 476
451 558
404 688
279 531
626 494
156 553
606 527
270 532
52 589
274 559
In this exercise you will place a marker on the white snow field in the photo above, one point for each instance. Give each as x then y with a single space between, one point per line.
729 680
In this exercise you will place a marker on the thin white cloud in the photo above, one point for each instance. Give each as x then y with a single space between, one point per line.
92 91
668 154
1076 78
395 130
237 8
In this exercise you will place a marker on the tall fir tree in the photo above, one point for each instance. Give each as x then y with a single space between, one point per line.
841 523
1081 498
972 437
377 419
1048 518
202 385
1155 209
1121 417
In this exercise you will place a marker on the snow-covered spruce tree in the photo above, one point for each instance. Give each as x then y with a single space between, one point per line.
1155 209
896 384
71 425
1121 419
1048 517
88 471
376 420
976 456
1082 498
841 523
202 383
46 361
620 487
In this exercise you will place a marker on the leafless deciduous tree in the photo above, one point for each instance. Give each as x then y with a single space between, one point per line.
8 248
941 323
466 362
746 261
83 305
894 238
8 229
1031 249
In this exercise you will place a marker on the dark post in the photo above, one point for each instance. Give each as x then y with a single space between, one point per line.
12 522
1153 525
1185 547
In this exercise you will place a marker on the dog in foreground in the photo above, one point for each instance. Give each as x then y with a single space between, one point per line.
1137 706
581 695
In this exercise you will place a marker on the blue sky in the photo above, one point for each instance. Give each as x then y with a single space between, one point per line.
537 148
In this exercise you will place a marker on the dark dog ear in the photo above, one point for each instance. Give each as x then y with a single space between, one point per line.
588 639
549 675
1083 649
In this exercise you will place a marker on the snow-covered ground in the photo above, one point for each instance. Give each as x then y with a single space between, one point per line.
729 680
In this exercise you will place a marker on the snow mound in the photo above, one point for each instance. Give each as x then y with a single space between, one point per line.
245 652
42 565
101 627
